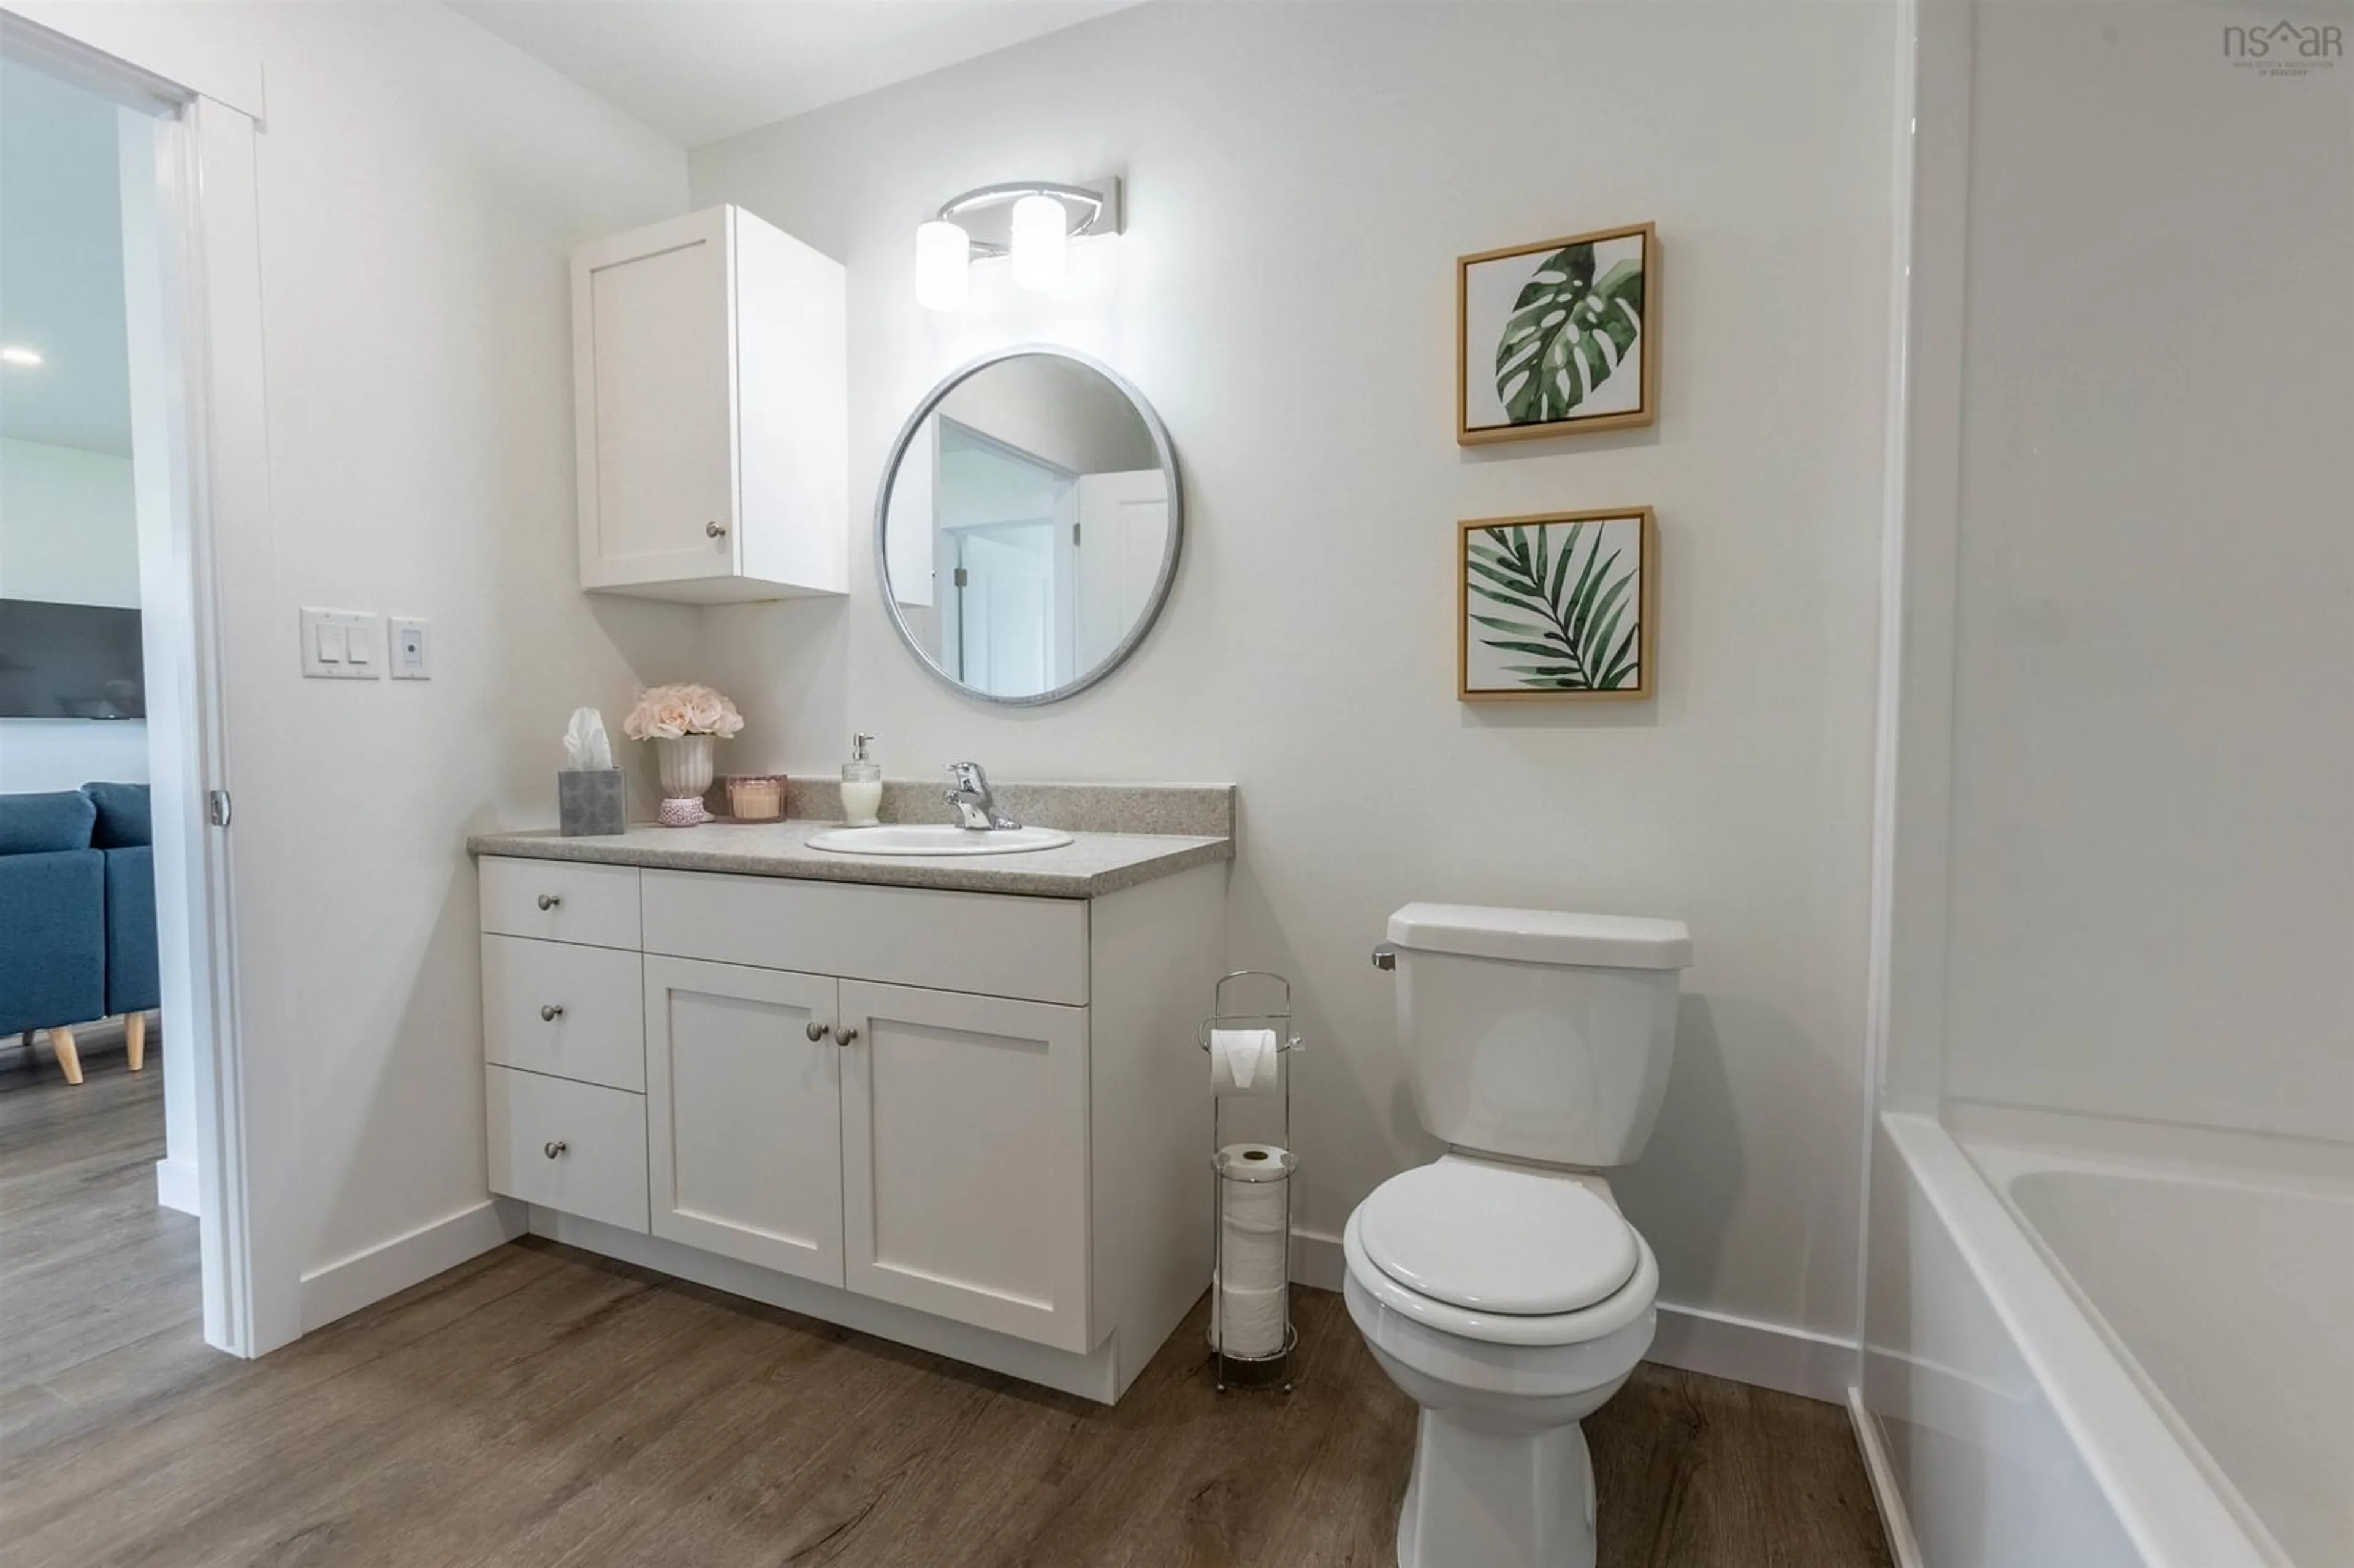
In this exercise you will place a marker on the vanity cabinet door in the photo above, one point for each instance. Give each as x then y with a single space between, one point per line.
964 1143
743 1114
657 405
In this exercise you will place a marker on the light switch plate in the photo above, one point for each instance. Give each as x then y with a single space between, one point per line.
343 644
411 660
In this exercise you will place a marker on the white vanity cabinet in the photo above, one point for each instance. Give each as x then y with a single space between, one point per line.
710 370
969 1121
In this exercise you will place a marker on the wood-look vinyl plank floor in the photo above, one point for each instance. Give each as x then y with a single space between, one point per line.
541 1407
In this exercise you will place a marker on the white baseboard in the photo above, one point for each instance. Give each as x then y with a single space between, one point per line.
1766 1355
1902 1544
343 1287
1316 1260
175 1186
1770 1355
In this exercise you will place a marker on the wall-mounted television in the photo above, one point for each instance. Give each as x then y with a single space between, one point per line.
69 661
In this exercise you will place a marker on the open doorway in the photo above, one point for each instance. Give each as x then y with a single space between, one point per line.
102 1078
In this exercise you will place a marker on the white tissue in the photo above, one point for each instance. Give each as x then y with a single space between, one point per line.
1250 1289
1243 1061
586 748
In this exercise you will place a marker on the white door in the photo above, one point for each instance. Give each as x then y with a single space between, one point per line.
964 1143
1005 608
653 312
1123 532
743 1114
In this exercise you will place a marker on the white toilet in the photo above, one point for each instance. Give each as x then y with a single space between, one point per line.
1499 1286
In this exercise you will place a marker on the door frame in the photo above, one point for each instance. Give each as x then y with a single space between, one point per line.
209 254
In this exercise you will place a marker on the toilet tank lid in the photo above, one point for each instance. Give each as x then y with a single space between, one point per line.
1543 936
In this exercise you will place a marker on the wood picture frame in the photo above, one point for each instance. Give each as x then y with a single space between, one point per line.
1552 370
1528 626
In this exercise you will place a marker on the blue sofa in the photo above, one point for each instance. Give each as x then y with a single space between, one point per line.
77 915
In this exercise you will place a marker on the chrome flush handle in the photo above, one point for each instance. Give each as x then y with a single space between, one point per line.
1384 957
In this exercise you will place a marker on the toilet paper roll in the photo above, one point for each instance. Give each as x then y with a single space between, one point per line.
1248 1322
1243 1062
1249 1291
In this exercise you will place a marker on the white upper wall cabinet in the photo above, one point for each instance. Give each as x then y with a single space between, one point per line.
710 368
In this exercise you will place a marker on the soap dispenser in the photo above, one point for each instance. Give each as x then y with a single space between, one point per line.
862 785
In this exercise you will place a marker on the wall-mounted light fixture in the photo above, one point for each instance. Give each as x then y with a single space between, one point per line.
1038 218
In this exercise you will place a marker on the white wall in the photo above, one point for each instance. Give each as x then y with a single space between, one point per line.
69 532
2153 863
1300 180
422 185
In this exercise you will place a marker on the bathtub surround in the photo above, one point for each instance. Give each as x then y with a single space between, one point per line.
2114 1071
1300 181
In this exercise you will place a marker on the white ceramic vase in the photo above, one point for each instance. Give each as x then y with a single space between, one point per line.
685 763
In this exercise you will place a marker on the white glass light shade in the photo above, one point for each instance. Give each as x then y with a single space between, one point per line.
942 251
1041 241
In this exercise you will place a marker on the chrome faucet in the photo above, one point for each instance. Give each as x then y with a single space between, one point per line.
976 808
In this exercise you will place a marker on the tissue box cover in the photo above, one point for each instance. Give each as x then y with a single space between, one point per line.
591 803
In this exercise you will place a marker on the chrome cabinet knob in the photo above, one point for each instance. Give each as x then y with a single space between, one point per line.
713 531
554 1148
845 1037
817 1031
551 1013
549 901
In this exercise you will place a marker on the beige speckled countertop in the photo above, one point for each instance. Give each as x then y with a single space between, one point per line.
1090 866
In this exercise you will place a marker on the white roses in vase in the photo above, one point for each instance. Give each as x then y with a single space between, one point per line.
666 713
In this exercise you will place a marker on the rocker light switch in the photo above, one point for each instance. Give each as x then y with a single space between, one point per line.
340 644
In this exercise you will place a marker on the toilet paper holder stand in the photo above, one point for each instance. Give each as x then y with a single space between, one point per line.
1272 1370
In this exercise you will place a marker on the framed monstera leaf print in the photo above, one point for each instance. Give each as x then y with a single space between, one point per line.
1557 337
1557 605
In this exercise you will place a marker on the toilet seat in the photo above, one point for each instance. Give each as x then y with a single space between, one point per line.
1630 1304
1498 1238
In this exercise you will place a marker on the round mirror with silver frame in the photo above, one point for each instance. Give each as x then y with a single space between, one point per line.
1027 526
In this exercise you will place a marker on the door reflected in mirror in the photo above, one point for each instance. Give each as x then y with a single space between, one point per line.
1029 525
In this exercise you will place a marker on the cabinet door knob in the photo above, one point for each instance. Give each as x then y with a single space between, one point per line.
713 531
551 1013
817 1031
549 901
554 1148
845 1037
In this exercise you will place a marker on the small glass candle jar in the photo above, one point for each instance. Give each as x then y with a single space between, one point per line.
756 797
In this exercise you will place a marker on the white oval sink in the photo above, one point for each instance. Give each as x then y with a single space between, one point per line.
896 838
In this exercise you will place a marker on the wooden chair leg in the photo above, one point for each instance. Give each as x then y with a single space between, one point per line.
68 1056
134 1039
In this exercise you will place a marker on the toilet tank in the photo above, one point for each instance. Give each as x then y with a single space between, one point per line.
1537 1034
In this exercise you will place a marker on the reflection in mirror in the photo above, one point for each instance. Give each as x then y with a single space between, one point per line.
1029 526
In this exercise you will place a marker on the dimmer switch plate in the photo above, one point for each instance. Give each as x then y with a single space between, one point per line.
409 658
342 644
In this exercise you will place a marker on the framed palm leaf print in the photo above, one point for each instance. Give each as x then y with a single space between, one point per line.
1557 605
1557 337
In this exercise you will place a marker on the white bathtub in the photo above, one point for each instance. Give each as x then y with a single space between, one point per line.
2084 1351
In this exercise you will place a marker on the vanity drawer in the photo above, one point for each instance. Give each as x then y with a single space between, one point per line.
565 1010
561 901
571 1147
990 944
